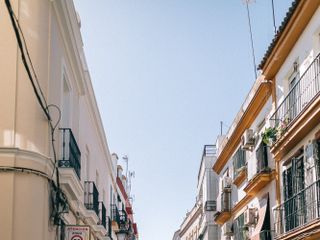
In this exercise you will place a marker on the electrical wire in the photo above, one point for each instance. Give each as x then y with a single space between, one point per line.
60 198
274 18
251 38
29 58
40 96
53 128
24 60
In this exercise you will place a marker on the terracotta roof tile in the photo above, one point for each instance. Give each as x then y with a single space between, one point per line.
279 32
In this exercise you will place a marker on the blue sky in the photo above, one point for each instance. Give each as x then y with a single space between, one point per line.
165 73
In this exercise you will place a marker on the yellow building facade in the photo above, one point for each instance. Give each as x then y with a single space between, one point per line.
268 162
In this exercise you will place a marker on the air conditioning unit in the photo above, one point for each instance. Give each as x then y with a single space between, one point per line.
227 181
250 217
210 205
227 229
247 140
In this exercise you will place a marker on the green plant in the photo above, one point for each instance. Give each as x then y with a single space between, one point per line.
269 136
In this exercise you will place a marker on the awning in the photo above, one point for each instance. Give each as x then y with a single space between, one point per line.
262 213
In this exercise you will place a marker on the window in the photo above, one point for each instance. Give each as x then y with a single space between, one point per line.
293 93
239 162
293 177
224 176
66 105
262 158
97 179
301 189
86 164
293 184
239 229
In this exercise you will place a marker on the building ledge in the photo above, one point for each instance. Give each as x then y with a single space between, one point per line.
91 217
241 204
251 107
222 217
258 182
242 175
99 230
297 129
70 183
309 231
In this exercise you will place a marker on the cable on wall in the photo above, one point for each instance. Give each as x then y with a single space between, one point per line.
23 48
59 199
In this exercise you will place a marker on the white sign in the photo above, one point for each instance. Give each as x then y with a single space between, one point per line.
77 232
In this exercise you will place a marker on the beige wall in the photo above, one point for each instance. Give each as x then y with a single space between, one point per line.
53 37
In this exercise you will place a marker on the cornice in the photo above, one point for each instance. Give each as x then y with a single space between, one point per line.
70 33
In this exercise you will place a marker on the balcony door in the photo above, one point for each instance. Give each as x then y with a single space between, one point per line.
294 196
293 102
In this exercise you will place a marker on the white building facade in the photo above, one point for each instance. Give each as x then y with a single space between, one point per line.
199 222
55 165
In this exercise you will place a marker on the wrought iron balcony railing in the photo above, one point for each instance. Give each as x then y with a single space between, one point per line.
123 217
210 205
91 196
209 150
70 151
262 159
124 224
266 235
298 210
102 215
299 97
115 215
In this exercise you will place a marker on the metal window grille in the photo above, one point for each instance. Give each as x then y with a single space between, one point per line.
262 158
91 196
71 155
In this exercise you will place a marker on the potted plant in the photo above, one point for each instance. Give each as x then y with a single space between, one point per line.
269 136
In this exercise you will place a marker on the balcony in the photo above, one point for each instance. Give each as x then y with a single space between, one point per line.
115 217
123 217
124 224
209 151
91 196
102 215
71 154
225 212
210 205
239 166
299 214
264 173
300 106
266 235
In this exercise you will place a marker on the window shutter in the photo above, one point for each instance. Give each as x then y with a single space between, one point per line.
316 157
289 182
309 164
285 184
259 156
